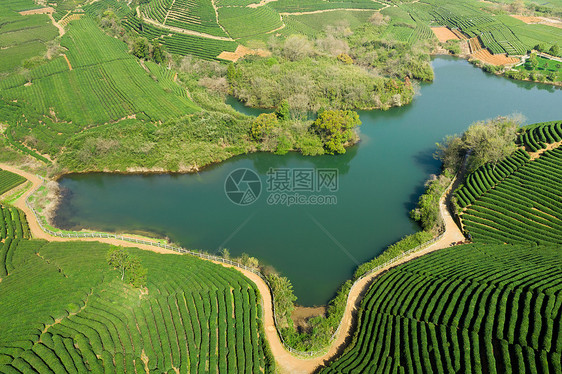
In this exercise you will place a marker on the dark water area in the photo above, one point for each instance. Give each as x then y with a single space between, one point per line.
317 246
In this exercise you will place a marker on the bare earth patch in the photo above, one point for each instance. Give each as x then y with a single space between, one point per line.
444 34
242 51
499 60
539 20
301 315
537 154
47 10
261 3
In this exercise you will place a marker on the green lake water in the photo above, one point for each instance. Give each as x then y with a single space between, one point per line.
317 246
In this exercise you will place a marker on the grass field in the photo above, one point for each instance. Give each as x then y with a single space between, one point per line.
545 65
471 308
65 310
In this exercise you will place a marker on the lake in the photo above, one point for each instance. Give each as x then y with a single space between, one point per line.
317 246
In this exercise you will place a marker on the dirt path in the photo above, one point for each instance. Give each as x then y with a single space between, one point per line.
277 29
291 364
67 61
49 12
57 25
261 3
217 17
287 362
38 233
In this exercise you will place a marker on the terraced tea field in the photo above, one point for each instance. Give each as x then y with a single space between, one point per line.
471 308
78 316
198 16
518 200
22 37
9 180
106 84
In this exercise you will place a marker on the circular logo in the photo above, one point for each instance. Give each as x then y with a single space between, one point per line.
242 186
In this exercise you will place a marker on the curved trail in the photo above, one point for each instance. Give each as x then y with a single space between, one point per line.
287 362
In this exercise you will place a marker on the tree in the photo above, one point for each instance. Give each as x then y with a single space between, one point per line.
157 53
345 58
487 141
297 47
533 60
517 7
542 47
378 19
141 48
232 73
492 140
249 261
554 50
263 126
284 297
283 112
450 152
129 266
225 253
335 128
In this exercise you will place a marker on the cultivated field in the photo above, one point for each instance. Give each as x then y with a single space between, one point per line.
444 34
499 60
519 200
471 308
9 180
22 37
78 316
106 84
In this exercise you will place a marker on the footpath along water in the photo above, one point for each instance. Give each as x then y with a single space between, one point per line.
317 246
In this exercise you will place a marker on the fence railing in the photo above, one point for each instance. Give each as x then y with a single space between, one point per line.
43 225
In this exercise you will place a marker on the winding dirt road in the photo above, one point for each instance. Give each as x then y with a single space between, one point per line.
287 362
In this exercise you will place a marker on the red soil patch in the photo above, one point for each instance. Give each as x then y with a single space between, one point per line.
539 20
47 10
499 60
68 62
444 34
242 51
